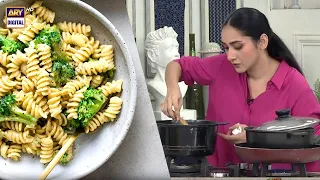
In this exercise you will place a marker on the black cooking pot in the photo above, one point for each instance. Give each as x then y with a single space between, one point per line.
197 139
285 132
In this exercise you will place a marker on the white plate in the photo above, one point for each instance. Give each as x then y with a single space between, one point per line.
91 150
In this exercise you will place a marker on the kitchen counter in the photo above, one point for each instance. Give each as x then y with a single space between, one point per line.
140 155
250 178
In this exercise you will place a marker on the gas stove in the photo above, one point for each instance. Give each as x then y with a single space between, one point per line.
199 167
264 169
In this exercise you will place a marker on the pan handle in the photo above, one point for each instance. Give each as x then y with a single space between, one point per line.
298 133
317 140
222 123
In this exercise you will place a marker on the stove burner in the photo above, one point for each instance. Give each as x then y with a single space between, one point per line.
216 173
172 174
184 168
198 167
219 174
264 172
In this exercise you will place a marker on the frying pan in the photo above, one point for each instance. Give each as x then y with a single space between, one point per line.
295 139
262 155
285 132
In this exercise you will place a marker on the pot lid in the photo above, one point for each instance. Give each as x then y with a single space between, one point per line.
286 122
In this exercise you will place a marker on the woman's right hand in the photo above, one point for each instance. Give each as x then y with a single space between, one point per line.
173 99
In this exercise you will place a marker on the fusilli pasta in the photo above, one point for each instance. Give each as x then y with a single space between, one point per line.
14 152
96 81
54 99
31 76
6 85
16 60
72 106
33 63
30 32
72 27
18 137
43 82
43 12
93 67
46 153
45 57
113 108
16 126
75 39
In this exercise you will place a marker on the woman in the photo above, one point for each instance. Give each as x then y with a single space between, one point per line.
255 77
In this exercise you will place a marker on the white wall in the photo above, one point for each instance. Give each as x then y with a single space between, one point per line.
141 15
304 4
299 29
261 5
198 23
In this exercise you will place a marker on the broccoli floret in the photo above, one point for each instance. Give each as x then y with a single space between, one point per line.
72 125
92 102
9 111
10 46
66 157
91 59
111 73
58 54
62 71
50 36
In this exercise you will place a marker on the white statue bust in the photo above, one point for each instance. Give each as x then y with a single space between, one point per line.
161 48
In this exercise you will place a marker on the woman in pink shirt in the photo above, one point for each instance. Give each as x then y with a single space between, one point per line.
255 77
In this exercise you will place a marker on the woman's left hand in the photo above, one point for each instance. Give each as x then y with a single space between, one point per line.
237 138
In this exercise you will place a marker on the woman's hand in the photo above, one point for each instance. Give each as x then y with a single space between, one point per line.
237 138
173 99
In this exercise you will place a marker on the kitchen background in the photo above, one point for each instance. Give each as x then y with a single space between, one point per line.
295 21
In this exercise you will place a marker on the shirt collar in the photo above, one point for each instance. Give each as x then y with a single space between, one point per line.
280 75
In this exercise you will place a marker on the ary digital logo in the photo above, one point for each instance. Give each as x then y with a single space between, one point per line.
15 17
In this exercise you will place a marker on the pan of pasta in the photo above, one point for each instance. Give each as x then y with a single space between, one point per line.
66 69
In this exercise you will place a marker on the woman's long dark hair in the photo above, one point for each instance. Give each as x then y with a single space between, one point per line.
253 23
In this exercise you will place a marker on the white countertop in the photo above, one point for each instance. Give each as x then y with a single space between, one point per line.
250 178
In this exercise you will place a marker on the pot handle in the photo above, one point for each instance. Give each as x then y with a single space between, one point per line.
222 123
298 133
317 140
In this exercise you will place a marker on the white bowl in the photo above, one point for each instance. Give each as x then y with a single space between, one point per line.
91 151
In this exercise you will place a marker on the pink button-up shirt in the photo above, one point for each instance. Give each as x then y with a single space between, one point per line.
228 92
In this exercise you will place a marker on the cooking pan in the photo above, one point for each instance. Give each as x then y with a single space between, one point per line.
197 139
295 139
263 155
285 132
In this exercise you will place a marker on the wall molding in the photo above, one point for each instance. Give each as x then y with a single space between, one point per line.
204 20
301 40
149 26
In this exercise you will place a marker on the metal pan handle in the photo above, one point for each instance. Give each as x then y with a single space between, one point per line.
298 133
221 123
317 140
